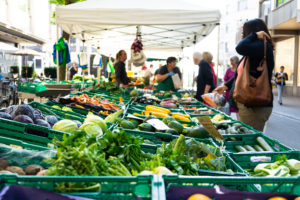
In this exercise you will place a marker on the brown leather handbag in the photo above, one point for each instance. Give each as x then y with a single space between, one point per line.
252 91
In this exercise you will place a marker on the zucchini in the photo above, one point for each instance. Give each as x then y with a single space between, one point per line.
249 148
258 148
261 141
240 149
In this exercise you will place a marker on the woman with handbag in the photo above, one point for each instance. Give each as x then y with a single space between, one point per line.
251 88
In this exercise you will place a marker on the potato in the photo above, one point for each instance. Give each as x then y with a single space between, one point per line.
5 172
15 169
42 173
33 169
4 164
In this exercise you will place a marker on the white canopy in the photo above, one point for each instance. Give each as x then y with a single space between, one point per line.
170 24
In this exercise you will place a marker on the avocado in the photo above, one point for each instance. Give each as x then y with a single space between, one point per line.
135 122
176 125
127 124
186 130
172 131
199 132
145 127
168 119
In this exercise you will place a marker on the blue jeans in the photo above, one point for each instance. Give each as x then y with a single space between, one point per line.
280 90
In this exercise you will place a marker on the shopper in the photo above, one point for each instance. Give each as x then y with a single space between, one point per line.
73 70
146 72
281 77
165 73
205 80
120 70
234 61
208 57
252 47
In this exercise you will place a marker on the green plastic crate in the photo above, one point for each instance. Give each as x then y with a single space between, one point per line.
61 114
29 133
251 140
21 144
282 185
28 87
248 161
121 188
159 138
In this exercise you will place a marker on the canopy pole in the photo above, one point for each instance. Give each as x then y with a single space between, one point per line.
57 59
82 70
218 51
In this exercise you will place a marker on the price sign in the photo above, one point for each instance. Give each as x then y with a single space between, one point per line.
210 128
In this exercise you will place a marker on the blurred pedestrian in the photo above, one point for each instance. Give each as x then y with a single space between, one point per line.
208 57
230 73
205 80
73 70
252 47
281 77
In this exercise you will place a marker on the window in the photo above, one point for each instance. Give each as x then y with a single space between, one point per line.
280 2
285 57
226 47
242 5
72 40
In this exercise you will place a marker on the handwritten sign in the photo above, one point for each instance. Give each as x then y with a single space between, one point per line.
210 128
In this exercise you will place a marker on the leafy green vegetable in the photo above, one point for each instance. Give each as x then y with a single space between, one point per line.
65 125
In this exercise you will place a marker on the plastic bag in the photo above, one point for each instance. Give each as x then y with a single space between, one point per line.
22 157
214 99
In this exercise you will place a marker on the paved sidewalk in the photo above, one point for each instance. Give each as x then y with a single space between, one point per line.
284 123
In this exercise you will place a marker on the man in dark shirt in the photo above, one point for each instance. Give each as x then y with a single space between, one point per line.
205 81
120 70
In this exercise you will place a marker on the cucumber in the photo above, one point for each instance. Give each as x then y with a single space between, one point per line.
258 148
249 148
264 144
240 149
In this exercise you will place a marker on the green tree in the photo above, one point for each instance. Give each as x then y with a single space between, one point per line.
66 36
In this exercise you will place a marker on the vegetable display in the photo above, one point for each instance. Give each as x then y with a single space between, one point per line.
261 146
282 167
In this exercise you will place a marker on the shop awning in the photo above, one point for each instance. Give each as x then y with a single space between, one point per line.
166 24
14 35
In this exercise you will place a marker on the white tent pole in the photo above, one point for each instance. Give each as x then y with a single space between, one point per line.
82 70
57 59
218 56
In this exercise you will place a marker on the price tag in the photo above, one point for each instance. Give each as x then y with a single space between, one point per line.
158 124
210 128
134 117
260 159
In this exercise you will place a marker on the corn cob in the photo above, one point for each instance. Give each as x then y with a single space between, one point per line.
157 109
179 114
157 114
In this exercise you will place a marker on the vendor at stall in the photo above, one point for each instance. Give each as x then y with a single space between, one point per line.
120 70
164 76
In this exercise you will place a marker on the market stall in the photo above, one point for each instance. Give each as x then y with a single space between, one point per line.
120 143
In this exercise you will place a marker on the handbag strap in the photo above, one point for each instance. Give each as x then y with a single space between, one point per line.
265 48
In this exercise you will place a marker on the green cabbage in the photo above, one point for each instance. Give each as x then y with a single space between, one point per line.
91 128
97 120
65 125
